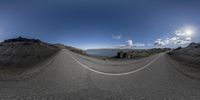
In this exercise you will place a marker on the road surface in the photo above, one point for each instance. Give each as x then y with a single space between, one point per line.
69 76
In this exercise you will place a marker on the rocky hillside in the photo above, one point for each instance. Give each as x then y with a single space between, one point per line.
189 55
140 53
23 53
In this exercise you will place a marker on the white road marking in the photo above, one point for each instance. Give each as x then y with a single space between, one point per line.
116 74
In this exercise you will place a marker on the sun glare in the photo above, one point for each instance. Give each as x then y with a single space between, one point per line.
189 32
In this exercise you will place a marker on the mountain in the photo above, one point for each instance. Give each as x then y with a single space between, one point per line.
194 45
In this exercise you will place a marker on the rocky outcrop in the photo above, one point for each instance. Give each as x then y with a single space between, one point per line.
122 54
140 53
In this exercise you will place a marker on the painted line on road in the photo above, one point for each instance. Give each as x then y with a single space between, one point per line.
116 74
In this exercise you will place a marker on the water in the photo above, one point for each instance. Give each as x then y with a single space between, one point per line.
103 52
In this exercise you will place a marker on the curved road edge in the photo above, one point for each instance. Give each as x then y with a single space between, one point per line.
117 74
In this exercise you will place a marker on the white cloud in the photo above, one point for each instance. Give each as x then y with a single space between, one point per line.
129 44
116 36
188 38
139 45
179 33
179 39
159 42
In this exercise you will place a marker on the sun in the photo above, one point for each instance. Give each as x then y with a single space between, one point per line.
189 32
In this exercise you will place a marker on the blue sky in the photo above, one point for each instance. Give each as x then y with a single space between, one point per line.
103 23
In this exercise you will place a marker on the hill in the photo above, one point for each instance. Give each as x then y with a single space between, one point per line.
20 54
189 55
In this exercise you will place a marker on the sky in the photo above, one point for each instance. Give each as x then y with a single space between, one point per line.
88 24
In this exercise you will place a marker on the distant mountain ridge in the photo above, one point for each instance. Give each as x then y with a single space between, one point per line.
194 45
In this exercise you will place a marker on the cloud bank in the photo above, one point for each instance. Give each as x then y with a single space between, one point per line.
130 45
180 38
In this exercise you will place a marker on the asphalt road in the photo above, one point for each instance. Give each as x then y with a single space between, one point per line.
69 76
